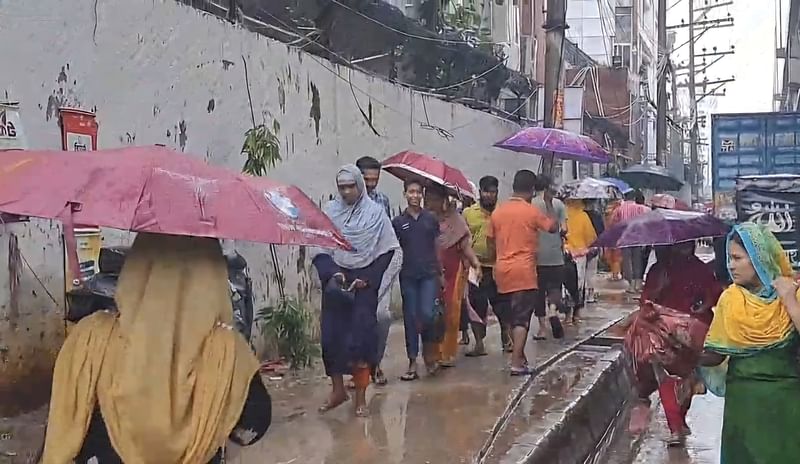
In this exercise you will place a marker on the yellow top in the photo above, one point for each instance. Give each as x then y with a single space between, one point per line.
478 222
169 373
580 231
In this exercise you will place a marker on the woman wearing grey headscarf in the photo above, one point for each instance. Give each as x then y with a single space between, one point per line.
353 282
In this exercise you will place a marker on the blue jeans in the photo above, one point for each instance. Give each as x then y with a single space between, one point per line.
419 304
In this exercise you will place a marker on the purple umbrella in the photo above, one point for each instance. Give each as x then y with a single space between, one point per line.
661 227
561 143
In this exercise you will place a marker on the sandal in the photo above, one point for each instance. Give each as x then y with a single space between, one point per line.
434 370
362 411
409 376
380 378
327 406
475 353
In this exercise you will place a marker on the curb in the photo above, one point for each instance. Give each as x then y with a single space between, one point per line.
586 425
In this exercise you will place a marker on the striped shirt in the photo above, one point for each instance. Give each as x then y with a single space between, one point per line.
628 210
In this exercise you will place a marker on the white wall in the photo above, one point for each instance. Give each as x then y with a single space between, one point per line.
160 72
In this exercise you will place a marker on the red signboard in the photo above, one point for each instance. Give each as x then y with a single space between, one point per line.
78 130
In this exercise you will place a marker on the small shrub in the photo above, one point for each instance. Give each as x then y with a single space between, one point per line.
288 324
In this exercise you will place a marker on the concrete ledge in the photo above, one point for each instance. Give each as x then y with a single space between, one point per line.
567 410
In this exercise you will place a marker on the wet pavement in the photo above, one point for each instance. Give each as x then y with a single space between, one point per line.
702 447
450 419
447 419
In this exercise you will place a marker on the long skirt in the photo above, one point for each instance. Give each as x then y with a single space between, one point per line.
455 284
762 409
349 335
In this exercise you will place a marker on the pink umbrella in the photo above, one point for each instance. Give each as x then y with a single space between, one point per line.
409 164
560 143
155 189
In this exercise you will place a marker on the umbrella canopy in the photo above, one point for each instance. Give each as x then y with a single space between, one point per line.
650 176
156 189
621 184
661 227
665 200
409 164
560 143
589 188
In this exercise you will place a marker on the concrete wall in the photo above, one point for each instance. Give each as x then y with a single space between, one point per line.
156 71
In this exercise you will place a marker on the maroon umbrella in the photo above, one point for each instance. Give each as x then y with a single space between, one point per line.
562 144
661 227
409 164
156 189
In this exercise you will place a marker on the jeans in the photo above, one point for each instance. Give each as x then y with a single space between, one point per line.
419 303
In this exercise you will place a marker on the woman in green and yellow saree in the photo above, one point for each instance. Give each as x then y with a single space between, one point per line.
753 345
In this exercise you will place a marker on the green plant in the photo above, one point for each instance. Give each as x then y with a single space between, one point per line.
289 324
262 148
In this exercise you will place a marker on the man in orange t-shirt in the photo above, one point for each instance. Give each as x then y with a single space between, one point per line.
513 237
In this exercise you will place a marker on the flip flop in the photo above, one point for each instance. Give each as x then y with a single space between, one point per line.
409 376
328 406
380 378
475 354
362 411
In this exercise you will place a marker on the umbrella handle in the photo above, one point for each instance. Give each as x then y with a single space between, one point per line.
71 243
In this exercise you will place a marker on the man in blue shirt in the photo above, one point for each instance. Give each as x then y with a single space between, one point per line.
420 278
371 170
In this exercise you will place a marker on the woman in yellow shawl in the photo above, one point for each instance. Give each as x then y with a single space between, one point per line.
165 380
754 344
580 234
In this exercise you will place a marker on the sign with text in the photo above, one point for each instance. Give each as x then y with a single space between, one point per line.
78 130
776 210
12 137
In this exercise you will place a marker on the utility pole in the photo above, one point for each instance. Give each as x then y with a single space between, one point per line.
704 24
555 28
694 165
661 98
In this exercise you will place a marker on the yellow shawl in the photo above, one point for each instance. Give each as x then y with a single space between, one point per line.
580 231
169 373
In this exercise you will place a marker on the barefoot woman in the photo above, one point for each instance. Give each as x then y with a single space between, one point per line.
349 340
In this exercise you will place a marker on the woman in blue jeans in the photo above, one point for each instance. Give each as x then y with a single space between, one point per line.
420 279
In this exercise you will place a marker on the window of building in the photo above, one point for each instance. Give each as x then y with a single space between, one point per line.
624 24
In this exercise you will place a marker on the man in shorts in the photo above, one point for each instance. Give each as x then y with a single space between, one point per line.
550 257
513 239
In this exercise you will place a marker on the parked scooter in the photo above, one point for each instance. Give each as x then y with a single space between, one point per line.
98 291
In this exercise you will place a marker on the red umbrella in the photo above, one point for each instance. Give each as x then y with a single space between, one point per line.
409 164
155 189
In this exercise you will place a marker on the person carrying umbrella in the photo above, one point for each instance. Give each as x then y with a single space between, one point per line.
678 281
455 251
166 378
354 281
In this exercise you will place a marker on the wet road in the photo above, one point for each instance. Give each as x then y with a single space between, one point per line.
447 419
702 447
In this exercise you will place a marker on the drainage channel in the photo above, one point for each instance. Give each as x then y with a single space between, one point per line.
577 370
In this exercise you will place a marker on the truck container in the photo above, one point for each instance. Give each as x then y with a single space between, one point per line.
747 144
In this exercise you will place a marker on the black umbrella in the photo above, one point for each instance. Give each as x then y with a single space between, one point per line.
650 176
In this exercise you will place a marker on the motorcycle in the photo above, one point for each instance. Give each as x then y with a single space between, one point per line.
97 292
